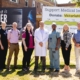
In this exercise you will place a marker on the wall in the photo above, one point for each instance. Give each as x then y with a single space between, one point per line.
8 3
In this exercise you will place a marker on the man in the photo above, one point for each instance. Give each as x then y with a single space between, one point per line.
53 45
76 40
3 45
13 37
41 38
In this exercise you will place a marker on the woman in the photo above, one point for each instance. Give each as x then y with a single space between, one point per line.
3 45
27 46
66 46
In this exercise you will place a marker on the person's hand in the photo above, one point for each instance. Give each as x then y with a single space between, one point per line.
47 47
77 45
41 44
66 49
25 48
56 48
2 47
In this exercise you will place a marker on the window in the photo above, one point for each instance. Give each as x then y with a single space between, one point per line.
41 5
26 3
16 1
33 3
53 0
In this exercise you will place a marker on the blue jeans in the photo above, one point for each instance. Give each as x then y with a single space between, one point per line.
54 59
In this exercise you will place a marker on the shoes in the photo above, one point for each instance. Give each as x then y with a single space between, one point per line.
43 70
8 69
65 71
51 69
77 72
24 69
35 69
27 68
56 71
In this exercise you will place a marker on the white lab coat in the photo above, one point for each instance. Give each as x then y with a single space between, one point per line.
41 51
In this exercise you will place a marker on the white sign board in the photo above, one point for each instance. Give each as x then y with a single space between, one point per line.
61 15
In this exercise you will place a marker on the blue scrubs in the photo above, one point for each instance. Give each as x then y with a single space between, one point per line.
54 54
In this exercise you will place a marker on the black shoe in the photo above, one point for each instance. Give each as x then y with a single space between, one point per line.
27 68
56 71
51 69
43 69
8 69
35 69
24 69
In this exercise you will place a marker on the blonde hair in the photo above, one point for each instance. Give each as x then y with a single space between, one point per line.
65 25
15 23
3 22
29 24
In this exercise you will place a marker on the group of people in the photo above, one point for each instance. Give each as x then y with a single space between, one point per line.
39 40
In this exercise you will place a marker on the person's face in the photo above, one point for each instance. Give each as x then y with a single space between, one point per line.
14 26
41 24
28 27
65 28
3 25
53 27
78 25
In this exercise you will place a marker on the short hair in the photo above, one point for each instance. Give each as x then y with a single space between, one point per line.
3 22
54 23
15 23
41 22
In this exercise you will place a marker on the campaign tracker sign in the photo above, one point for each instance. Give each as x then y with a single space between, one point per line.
61 15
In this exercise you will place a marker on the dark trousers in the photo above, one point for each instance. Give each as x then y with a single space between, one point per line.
66 53
3 54
43 60
26 57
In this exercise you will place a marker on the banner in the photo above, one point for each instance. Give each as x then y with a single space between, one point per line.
61 15
29 15
19 15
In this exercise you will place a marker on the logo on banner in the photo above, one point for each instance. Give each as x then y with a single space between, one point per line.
3 16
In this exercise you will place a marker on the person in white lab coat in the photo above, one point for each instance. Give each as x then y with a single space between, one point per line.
41 38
